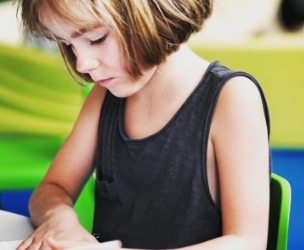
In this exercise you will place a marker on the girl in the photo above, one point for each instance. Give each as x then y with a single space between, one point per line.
180 145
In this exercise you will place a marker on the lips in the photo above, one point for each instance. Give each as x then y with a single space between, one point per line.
104 82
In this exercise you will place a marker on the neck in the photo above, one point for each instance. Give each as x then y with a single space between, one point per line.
180 74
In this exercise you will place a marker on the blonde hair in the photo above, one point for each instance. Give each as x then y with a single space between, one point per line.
148 30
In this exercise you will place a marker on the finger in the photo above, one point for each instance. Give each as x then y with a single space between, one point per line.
35 245
62 244
25 244
52 243
45 246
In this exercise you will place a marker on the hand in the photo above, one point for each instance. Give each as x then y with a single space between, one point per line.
65 244
59 227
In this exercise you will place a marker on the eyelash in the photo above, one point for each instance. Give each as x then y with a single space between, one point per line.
100 40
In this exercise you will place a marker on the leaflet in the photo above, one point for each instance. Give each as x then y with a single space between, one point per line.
12 245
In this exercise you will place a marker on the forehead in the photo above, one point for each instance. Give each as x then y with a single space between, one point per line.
72 18
63 31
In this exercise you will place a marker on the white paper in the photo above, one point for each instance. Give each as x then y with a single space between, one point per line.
12 245
4 246
99 246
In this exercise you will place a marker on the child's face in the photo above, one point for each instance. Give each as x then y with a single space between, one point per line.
98 54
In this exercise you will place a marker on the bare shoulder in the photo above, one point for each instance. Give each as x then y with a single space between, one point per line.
95 97
240 90
239 105
89 113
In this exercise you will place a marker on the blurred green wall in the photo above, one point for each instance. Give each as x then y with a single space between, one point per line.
37 96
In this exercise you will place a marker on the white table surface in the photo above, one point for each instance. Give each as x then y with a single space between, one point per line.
14 226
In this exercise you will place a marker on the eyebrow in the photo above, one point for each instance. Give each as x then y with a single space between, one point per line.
79 33
74 34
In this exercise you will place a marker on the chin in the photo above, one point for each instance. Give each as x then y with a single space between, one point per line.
122 93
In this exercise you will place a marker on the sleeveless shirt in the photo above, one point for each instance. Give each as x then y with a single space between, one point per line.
153 193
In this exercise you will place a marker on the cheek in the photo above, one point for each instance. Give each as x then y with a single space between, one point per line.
114 57
118 63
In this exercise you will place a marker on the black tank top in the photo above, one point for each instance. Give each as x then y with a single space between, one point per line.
153 193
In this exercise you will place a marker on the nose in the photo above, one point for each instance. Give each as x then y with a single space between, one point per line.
86 63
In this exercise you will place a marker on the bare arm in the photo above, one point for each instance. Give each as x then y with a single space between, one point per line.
51 205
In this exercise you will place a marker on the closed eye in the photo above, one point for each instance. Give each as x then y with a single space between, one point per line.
100 40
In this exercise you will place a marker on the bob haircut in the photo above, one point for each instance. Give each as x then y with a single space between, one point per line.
148 30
